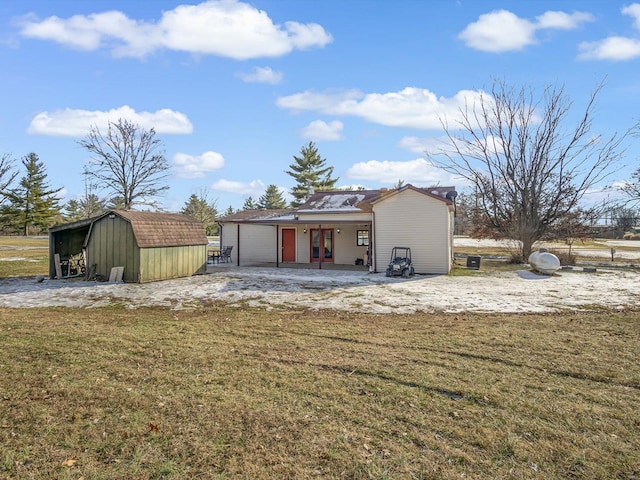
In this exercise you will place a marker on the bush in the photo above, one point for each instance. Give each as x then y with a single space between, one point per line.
516 258
565 257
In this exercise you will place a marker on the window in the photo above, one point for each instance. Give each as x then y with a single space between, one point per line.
362 238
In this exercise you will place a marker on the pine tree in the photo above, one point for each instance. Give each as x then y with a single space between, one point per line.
229 211
90 205
250 204
310 172
204 210
272 198
33 205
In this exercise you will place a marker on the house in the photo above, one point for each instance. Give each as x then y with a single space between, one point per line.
349 227
149 245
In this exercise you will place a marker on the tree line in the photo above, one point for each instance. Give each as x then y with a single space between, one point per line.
528 163
129 166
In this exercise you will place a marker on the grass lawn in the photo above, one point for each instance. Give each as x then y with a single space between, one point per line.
241 393
24 256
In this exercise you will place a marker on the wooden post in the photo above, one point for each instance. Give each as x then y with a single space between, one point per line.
58 267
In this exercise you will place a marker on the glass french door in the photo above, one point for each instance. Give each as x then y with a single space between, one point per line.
322 244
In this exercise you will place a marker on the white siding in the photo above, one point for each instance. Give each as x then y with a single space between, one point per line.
412 219
257 242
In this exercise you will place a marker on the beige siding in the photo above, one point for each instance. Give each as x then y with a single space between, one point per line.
346 248
257 242
411 219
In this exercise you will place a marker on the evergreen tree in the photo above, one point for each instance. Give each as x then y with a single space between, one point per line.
310 172
33 206
90 205
204 210
229 211
116 203
272 198
250 204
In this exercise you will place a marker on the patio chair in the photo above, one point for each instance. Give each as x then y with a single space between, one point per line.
225 254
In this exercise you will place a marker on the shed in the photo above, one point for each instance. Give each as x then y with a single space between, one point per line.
149 245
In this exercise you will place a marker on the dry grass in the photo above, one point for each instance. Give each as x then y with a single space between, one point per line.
23 256
234 393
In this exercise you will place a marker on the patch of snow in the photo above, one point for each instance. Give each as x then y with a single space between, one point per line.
521 291
336 202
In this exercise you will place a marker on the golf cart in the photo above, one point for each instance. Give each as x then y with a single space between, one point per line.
400 262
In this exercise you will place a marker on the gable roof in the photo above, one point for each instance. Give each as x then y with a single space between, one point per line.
158 229
437 193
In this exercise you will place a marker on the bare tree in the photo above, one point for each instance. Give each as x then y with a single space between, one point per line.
8 174
128 162
632 187
528 167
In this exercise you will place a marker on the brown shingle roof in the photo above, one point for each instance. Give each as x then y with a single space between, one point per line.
154 229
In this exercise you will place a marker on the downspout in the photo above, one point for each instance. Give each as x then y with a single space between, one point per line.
277 240
373 242
238 264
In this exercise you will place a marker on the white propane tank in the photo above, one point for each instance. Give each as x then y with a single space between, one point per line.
547 263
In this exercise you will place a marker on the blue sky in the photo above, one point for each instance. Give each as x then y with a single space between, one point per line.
235 89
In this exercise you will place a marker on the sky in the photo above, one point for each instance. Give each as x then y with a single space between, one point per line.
235 89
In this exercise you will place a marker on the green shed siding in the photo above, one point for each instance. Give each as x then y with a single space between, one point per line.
161 263
112 244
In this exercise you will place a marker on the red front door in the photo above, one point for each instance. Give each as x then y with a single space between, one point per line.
322 245
288 244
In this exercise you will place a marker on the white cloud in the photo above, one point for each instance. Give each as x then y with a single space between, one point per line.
611 48
615 47
409 108
633 10
417 172
503 31
262 75
227 28
196 166
562 20
77 123
254 188
319 130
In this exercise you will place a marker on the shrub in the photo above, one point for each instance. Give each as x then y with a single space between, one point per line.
565 257
517 258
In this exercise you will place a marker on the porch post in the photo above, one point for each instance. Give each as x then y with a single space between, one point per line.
238 241
320 245
277 239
